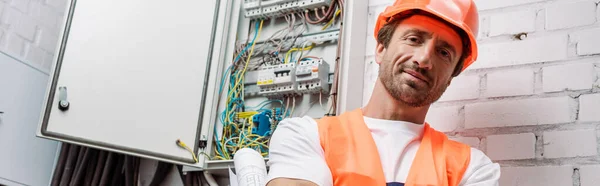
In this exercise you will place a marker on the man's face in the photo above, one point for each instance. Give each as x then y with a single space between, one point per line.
417 65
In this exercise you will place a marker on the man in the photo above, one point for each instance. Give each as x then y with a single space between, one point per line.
421 46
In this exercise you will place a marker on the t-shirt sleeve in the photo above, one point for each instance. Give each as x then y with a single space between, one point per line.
481 171
295 152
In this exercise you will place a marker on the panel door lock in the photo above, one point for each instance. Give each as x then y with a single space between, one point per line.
63 103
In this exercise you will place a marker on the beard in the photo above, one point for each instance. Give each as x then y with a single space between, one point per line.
407 91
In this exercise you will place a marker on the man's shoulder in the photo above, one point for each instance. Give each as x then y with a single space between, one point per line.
297 121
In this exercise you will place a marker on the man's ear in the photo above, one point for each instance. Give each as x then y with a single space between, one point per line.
379 52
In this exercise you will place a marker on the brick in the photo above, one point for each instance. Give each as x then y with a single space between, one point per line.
21 5
588 175
15 45
568 77
510 83
559 144
530 50
512 22
493 4
519 112
511 146
11 17
544 175
471 141
35 56
570 14
444 119
589 107
26 27
48 40
46 15
587 41
462 87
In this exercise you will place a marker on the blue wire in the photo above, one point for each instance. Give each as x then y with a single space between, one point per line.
231 91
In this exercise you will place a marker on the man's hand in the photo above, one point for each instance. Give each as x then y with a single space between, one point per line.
290 182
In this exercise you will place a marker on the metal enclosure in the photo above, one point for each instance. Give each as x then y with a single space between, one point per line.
140 74
134 79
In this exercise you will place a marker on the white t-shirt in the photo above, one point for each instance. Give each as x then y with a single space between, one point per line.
295 152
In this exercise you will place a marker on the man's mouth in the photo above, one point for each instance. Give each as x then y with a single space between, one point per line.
417 75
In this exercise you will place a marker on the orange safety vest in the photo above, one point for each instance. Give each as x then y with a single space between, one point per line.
353 159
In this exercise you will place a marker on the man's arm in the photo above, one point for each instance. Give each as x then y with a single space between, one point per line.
290 182
296 156
481 171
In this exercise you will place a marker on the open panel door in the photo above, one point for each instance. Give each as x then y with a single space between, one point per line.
134 79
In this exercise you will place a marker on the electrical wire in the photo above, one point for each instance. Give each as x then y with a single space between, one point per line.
183 145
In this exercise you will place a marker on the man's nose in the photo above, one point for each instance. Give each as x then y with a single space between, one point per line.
423 54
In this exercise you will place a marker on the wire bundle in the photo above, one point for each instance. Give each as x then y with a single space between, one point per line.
236 118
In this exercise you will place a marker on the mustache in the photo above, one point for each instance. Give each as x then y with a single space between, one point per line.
414 67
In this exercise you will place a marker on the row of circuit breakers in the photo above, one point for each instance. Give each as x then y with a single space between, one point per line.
309 76
277 8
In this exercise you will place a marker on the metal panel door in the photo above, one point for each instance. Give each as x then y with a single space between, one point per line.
133 74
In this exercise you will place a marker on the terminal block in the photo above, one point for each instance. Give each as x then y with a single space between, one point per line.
312 76
278 8
277 80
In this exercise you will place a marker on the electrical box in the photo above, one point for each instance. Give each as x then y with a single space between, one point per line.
137 76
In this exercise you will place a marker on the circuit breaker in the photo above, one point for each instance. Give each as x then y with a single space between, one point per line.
277 80
312 76
277 8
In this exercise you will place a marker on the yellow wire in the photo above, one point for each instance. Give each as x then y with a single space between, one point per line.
226 148
287 55
332 19
183 145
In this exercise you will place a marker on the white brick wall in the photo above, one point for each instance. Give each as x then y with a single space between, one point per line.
511 146
589 175
520 21
462 88
29 30
589 107
530 50
570 14
487 4
510 83
587 41
542 176
519 112
532 105
568 77
559 144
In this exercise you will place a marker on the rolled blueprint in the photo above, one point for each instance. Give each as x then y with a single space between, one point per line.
250 168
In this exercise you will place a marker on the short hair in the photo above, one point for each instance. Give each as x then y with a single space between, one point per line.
384 36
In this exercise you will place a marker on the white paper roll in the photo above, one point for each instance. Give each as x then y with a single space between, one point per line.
250 168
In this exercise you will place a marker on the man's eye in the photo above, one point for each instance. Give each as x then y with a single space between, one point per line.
414 39
445 54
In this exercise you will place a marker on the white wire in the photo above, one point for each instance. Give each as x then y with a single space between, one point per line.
302 50
321 100
287 104
293 106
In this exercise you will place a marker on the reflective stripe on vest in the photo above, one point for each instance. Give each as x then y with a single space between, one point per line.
352 156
